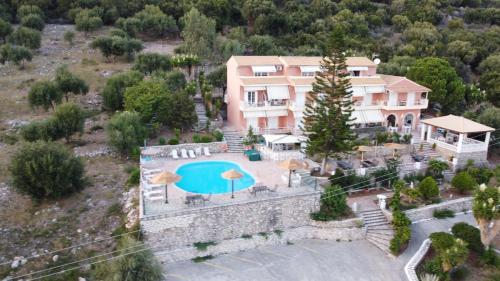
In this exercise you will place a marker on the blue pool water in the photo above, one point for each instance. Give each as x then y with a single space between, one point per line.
205 177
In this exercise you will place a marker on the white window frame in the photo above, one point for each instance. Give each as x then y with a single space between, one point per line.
308 74
261 74
251 97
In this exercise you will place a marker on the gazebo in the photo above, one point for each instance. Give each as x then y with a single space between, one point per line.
457 137
282 147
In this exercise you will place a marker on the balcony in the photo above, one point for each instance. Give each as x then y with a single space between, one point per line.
395 105
270 108
451 142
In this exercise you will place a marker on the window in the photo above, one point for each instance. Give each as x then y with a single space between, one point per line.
308 74
251 97
355 73
261 74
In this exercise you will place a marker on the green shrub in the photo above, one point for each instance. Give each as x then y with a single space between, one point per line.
469 234
173 141
202 258
246 236
480 175
218 135
206 139
402 234
196 138
442 241
126 132
463 182
202 246
452 252
162 141
428 188
433 266
46 170
443 213
134 177
333 204
490 257
8 138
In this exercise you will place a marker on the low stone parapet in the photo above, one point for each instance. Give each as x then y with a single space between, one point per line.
166 150
426 212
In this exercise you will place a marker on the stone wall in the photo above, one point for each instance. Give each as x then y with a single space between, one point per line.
165 150
457 205
346 230
217 223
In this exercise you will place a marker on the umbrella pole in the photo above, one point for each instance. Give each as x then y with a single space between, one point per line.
232 188
166 194
290 179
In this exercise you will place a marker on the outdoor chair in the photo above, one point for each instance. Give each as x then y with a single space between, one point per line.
184 153
197 151
191 154
206 151
174 154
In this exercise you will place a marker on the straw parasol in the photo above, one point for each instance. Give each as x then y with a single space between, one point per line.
165 178
291 164
394 147
232 175
363 149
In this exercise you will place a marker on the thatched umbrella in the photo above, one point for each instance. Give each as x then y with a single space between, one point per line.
165 178
363 149
232 175
394 147
291 164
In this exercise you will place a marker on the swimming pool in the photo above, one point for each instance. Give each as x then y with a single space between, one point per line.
205 177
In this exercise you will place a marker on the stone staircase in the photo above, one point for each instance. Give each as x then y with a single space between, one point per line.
234 141
379 230
199 107
426 151
307 179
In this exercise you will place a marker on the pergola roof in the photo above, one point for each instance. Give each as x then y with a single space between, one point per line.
283 139
458 124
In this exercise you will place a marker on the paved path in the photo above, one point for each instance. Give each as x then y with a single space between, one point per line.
311 260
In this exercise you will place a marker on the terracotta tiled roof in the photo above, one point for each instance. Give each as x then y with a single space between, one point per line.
302 81
360 81
359 61
298 61
402 84
458 124
257 60
264 80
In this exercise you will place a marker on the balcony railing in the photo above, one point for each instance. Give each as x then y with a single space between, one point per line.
402 103
267 103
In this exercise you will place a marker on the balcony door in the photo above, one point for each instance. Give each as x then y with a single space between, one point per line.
272 122
251 97
410 98
393 97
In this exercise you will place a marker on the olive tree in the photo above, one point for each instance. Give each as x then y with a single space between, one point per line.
16 54
44 94
27 37
46 170
87 21
5 29
126 131
68 83
33 21
69 119
112 94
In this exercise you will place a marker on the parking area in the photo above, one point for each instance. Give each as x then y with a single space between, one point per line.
304 260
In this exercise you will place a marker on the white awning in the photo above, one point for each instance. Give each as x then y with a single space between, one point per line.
277 93
373 116
358 91
264 68
310 68
357 68
282 139
254 88
358 117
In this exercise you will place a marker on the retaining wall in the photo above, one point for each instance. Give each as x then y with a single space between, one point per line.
457 205
165 150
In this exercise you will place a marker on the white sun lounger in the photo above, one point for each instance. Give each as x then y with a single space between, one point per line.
174 154
206 151
197 151
184 153
191 154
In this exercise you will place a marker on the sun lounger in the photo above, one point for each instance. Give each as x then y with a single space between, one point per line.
174 154
191 154
184 153
206 151
197 151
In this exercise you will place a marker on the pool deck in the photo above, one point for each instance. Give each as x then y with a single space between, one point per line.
265 172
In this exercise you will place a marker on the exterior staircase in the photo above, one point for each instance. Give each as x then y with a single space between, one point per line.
379 230
426 151
234 141
307 179
199 107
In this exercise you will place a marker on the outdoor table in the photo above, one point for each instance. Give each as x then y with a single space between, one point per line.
260 188
192 199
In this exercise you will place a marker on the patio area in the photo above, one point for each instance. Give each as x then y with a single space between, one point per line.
270 181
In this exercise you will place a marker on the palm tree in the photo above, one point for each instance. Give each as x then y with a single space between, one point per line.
437 167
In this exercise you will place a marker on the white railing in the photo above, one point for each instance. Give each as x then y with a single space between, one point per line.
473 147
443 144
265 104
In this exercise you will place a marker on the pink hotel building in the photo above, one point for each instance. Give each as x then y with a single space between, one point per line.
269 93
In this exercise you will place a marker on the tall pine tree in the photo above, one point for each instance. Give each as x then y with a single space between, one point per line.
328 113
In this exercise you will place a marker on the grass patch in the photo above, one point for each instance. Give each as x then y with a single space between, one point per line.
114 210
278 232
246 236
202 246
202 258
443 213
264 234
